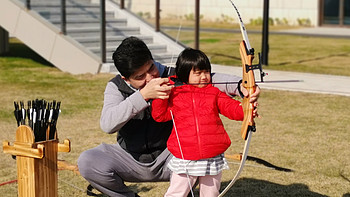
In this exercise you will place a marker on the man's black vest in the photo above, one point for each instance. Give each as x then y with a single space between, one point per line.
143 138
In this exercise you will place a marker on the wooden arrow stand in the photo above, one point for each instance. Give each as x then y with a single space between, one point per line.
36 163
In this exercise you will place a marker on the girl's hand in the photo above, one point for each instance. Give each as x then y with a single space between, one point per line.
253 99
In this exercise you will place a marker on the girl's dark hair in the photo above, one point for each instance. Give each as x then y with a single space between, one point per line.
188 59
130 55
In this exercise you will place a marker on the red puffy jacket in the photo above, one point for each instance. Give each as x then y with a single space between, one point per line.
196 120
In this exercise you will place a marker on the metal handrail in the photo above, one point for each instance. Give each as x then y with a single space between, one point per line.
157 14
103 30
63 17
28 4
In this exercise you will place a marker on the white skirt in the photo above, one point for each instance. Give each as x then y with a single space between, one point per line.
211 166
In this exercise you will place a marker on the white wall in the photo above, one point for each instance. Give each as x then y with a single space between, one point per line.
249 9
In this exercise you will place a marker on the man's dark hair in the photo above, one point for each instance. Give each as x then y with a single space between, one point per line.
188 59
130 55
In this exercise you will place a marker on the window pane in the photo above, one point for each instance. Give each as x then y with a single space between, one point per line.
331 12
347 12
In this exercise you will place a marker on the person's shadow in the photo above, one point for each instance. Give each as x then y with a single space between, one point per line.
252 188
260 188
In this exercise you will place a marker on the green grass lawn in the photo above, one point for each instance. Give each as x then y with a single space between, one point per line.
304 132
286 52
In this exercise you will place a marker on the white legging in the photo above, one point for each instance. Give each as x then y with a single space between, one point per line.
209 185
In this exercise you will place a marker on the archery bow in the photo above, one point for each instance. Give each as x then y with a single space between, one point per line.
248 82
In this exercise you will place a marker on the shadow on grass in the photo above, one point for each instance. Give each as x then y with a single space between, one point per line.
268 164
18 49
134 187
255 188
250 187
260 188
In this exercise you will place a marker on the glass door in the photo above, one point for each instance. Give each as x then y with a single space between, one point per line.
335 12
346 12
331 12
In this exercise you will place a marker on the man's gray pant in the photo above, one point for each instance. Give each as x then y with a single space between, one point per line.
107 166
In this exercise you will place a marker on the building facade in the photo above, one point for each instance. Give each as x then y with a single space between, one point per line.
296 12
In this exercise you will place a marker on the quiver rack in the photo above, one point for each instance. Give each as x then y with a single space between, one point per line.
36 163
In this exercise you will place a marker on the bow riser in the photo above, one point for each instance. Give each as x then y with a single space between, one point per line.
248 82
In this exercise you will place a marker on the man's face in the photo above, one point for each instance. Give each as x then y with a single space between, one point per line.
143 75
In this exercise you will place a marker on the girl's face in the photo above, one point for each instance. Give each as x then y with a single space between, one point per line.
200 78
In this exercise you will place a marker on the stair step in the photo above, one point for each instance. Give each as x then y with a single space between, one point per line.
159 56
111 40
50 3
68 9
154 48
75 15
83 21
88 31
164 58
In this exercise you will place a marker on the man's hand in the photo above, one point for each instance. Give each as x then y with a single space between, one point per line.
156 88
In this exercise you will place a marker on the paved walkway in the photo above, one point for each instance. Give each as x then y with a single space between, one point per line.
314 83
333 32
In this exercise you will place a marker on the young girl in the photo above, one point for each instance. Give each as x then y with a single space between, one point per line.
198 139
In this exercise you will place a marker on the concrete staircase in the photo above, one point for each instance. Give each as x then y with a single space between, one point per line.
83 26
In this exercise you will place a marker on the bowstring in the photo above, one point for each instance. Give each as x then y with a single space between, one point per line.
178 141
172 116
176 41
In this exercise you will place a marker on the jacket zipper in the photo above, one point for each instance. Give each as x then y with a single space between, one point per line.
197 125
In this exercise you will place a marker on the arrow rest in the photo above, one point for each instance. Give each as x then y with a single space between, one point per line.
256 66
